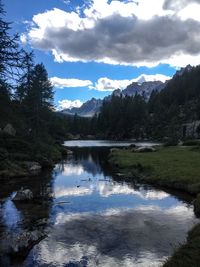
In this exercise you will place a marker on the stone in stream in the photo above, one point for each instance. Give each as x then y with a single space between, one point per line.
23 195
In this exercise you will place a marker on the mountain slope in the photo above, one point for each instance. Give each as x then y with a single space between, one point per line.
88 109
143 86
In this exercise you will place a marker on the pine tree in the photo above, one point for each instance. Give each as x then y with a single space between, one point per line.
10 54
38 100
24 85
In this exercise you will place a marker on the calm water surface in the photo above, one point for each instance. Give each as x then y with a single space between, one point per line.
94 219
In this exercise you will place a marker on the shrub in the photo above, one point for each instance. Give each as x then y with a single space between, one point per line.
191 143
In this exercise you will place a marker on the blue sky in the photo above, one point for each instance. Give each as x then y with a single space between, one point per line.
92 47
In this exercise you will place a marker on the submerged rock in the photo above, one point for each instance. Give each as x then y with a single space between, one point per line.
23 195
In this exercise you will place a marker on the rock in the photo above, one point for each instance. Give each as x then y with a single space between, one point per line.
23 195
8 129
145 149
114 150
32 166
197 206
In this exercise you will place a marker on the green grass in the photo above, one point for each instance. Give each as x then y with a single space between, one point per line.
177 167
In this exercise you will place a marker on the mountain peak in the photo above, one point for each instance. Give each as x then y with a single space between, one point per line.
151 78
182 70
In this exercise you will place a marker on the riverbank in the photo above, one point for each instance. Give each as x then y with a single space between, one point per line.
19 158
171 167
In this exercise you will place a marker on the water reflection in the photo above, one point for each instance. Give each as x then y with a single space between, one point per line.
92 219
17 218
114 238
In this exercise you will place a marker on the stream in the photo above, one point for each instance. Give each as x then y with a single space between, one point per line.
92 217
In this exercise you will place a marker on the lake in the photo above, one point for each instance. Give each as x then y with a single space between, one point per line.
92 217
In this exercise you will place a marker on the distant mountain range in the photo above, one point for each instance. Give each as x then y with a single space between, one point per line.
143 87
88 109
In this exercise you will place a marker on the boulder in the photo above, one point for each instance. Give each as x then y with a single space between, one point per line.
145 149
23 195
8 129
33 166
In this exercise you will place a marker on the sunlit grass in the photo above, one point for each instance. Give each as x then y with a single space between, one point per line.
179 166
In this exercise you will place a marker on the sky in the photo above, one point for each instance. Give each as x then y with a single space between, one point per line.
93 47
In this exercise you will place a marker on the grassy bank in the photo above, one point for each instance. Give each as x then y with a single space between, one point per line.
172 167
175 167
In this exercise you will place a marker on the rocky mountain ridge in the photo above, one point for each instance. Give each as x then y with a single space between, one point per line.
142 87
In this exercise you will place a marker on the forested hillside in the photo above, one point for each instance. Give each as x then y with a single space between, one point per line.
164 114
29 127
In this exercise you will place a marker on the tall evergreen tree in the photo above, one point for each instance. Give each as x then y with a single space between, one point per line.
24 82
38 100
10 54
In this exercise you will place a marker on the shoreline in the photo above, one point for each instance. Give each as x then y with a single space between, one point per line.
16 164
143 169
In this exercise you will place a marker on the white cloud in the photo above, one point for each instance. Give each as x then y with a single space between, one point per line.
64 83
190 12
69 104
106 84
71 191
151 78
117 32
106 190
71 169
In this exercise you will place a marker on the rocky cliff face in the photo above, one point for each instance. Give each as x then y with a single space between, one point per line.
182 70
88 109
144 88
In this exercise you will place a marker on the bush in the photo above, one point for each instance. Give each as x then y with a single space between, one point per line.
191 143
46 153
171 142
3 154
20 157
15 145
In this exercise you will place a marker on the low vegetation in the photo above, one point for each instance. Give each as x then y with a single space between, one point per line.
188 255
177 167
